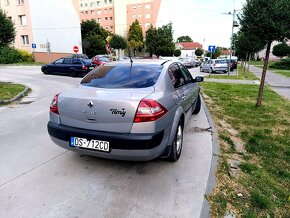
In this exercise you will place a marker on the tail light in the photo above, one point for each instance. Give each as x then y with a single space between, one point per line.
53 105
149 110
84 67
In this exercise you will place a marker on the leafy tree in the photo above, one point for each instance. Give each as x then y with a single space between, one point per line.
184 39
118 42
7 29
268 21
177 52
135 36
281 50
164 41
199 52
150 40
93 38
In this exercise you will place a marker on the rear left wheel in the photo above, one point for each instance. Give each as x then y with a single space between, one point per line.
176 146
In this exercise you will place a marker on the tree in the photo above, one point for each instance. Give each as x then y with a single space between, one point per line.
184 39
7 30
135 36
93 38
199 52
281 50
177 52
150 40
268 21
164 41
118 42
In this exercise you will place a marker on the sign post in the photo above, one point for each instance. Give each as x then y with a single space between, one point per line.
211 49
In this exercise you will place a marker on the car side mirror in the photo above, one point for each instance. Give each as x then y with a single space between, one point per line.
198 79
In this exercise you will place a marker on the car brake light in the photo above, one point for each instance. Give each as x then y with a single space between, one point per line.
84 67
149 110
53 105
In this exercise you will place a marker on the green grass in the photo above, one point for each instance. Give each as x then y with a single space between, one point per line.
283 72
25 64
264 179
242 75
9 90
259 63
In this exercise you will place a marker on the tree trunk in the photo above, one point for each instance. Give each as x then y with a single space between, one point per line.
260 95
246 61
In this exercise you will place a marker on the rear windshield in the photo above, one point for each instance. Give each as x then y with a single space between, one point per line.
122 76
221 61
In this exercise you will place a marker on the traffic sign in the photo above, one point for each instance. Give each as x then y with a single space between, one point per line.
33 45
211 48
76 49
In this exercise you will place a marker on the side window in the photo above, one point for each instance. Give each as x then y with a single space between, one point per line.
67 61
59 61
176 76
186 74
77 61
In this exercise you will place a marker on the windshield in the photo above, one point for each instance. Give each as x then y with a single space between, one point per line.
123 76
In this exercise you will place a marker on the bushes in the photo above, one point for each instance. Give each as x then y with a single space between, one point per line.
283 64
177 52
10 55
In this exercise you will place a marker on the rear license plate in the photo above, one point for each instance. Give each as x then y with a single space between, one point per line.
91 68
90 144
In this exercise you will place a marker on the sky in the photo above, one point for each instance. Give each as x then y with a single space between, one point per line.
202 20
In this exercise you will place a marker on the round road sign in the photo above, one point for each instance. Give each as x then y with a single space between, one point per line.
76 49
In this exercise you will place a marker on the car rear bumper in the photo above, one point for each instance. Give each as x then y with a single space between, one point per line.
135 147
220 68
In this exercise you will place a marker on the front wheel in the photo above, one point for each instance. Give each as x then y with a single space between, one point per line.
176 146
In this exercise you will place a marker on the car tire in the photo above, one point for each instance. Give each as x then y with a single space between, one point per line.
200 69
210 71
45 71
176 146
197 105
73 73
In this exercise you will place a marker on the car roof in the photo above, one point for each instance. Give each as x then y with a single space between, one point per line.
138 62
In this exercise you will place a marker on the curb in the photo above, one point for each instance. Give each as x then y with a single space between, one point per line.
211 183
17 97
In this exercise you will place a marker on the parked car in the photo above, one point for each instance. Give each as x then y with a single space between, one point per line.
197 63
84 56
100 59
127 111
201 66
215 65
234 63
188 61
69 66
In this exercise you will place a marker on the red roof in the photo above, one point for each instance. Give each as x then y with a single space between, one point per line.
225 52
189 45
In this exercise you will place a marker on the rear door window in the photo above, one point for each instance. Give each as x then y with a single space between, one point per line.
187 76
123 76
77 61
176 76
67 61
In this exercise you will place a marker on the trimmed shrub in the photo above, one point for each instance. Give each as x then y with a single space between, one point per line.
25 56
177 52
9 55
283 64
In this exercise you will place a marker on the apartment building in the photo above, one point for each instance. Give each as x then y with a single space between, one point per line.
49 29
116 16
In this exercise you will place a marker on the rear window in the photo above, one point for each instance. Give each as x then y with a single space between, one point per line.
122 76
221 61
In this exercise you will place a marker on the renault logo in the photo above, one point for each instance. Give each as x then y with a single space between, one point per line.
90 104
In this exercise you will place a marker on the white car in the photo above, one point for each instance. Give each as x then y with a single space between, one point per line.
214 65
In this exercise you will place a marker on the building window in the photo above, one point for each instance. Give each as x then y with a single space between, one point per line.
92 4
7 2
86 4
25 40
99 20
105 11
147 6
22 20
110 1
106 18
110 10
111 18
99 12
106 28
87 12
147 25
139 16
98 3
81 5
111 27
20 2
92 12
134 7
105 2
147 16
134 16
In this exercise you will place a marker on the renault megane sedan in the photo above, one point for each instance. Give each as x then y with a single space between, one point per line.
127 110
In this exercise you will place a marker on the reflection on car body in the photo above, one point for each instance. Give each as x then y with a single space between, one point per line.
138 110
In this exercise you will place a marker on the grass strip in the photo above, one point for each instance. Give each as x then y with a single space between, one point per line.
283 72
260 186
242 75
10 90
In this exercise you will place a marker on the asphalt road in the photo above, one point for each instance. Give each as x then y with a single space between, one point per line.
40 179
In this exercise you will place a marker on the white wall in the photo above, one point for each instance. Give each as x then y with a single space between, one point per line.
56 21
187 53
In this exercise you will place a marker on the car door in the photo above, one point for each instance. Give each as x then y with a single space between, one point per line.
178 82
56 66
66 66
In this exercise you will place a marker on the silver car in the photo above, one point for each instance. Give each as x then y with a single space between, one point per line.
214 65
127 111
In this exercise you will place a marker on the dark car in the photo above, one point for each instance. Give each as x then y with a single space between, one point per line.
69 66
100 59
234 64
